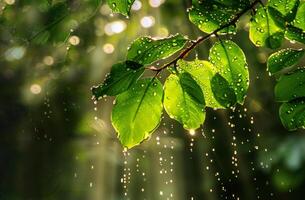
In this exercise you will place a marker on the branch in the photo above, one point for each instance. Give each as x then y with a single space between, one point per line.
195 43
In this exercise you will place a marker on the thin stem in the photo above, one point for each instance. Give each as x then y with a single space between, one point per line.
48 27
195 43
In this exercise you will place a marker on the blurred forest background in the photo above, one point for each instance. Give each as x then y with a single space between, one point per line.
56 143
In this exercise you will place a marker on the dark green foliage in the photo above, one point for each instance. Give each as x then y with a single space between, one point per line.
293 114
58 13
147 50
291 90
222 91
291 86
49 21
283 59
122 77
295 34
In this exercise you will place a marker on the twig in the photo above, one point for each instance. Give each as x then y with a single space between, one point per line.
195 43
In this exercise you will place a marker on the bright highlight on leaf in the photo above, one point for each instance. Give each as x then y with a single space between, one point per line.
230 62
202 72
286 8
213 14
137 112
290 17
263 30
184 100
216 94
299 20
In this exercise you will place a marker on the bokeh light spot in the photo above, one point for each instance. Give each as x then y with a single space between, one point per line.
74 40
108 48
147 21
35 89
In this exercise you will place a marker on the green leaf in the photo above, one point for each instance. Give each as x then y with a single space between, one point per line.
295 34
240 4
190 86
299 20
120 6
291 86
283 59
222 91
263 30
291 90
277 17
213 14
147 50
203 72
293 22
122 76
230 62
184 100
292 114
137 112
287 8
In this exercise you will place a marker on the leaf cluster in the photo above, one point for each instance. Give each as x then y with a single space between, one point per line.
220 82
